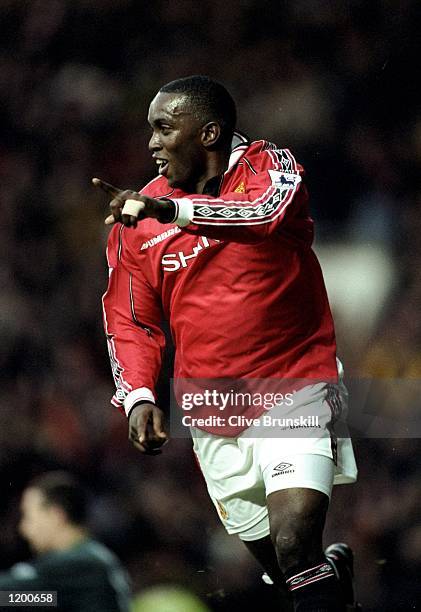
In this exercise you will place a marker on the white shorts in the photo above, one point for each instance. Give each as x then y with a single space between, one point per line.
241 472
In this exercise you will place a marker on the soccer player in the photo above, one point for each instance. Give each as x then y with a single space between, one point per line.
220 244
85 574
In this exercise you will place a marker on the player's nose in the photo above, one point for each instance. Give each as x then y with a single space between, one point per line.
155 143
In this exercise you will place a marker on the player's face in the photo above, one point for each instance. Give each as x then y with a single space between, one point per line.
176 141
38 521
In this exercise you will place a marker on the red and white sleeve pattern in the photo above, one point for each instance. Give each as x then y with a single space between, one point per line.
271 191
132 316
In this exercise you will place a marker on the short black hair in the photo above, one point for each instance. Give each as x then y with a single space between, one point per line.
210 102
62 489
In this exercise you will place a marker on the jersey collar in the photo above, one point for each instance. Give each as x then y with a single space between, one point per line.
240 143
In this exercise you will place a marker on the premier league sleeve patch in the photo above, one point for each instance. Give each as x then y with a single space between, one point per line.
284 181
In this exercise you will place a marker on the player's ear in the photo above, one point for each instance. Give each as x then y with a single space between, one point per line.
210 134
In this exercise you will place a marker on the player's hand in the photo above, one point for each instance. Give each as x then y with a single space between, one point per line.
146 429
138 207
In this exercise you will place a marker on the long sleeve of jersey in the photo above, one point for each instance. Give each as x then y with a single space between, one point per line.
132 316
272 192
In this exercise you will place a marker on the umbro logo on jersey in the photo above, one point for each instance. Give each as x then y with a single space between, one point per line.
283 468
157 239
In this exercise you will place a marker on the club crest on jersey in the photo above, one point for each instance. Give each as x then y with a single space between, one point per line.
284 181
241 188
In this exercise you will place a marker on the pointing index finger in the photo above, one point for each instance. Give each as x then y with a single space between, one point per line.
110 189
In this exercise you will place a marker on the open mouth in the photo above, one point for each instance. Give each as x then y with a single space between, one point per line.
162 166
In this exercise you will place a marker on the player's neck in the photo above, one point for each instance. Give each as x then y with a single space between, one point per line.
217 163
70 536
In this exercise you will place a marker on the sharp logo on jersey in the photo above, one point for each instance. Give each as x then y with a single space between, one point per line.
241 188
171 262
283 468
157 239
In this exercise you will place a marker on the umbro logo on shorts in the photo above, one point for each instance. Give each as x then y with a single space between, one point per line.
283 468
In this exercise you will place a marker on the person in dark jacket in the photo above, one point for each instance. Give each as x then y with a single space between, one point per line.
70 568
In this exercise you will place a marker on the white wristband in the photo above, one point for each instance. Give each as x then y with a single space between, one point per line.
185 211
132 207
138 395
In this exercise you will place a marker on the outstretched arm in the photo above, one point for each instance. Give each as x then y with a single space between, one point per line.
272 194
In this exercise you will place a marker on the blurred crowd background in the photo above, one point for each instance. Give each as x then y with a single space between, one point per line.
335 81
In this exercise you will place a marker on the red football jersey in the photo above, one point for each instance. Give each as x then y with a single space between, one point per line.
235 276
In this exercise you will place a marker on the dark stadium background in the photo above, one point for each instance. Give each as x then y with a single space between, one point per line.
338 83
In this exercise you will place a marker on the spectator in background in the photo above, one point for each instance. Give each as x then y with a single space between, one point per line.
85 574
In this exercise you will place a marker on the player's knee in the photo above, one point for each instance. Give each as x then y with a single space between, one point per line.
290 546
296 522
297 539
